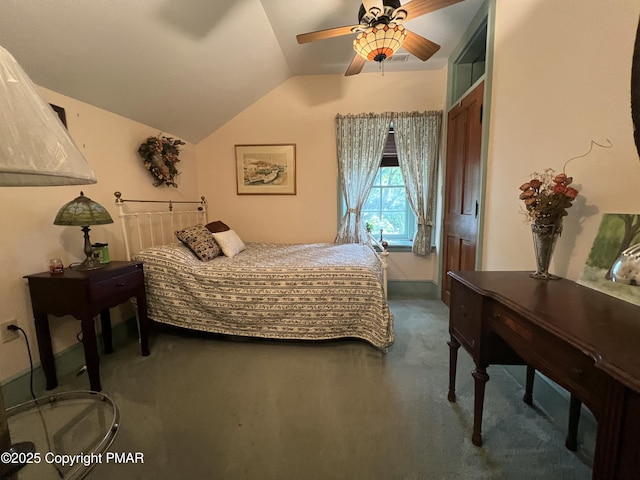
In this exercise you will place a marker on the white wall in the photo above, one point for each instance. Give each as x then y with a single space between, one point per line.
302 111
561 78
110 143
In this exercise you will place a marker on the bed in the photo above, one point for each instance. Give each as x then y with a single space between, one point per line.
280 291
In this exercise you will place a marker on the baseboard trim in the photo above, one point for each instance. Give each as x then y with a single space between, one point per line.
17 389
553 400
413 288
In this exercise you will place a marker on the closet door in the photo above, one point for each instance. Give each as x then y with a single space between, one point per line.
462 187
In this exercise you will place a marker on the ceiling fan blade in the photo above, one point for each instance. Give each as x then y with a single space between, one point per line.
356 66
419 46
324 34
415 8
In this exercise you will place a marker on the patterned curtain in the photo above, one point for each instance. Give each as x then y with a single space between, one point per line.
360 142
417 136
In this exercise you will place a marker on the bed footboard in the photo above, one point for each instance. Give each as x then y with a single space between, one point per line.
382 255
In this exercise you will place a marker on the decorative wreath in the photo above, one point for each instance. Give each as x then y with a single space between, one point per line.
160 155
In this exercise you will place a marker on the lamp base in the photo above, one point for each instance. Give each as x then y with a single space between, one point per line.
90 263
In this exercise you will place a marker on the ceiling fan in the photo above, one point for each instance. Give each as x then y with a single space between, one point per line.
380 31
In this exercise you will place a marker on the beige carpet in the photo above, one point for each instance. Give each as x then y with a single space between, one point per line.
202 407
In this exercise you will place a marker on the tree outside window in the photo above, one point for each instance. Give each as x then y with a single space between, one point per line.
387 208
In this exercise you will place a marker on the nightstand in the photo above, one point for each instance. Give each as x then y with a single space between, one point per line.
84 295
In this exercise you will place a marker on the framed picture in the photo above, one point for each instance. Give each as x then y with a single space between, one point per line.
617 232
266 169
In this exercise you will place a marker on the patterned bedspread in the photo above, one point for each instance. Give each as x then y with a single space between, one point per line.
299 291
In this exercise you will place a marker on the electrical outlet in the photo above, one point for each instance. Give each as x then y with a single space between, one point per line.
8 335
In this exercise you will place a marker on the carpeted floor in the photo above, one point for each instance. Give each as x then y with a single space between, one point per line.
209 408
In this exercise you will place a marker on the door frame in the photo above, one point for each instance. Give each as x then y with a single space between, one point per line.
485 16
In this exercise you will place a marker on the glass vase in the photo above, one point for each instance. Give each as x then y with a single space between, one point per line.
544 242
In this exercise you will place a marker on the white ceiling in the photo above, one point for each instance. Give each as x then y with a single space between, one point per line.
188 66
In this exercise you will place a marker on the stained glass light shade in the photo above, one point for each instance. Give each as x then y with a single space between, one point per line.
376 44
82 212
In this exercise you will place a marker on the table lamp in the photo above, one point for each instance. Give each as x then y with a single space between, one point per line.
35 150
82 212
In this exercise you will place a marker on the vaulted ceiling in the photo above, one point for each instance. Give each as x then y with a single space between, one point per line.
188 66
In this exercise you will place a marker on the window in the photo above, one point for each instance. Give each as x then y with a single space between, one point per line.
387 207
360 165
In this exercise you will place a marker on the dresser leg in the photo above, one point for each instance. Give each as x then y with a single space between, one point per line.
91 353
528 389
143 322
481 378
105 322
454 345
43 334
575 405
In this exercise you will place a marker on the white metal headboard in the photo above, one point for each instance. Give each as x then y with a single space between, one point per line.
154 228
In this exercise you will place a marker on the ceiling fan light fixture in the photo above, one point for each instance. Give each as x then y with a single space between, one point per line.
379 42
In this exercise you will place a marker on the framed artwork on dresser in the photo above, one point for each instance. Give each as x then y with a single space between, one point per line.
617 232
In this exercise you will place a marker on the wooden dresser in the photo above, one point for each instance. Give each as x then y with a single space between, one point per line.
584 340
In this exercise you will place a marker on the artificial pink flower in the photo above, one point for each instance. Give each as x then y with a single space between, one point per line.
571 192
560 178
527 194
559 188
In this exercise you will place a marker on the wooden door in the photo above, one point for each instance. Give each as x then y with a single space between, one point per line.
462 187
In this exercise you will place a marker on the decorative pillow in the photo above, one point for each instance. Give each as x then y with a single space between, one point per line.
217 226
200 241
229 242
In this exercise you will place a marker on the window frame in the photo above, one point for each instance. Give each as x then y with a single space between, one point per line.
410 218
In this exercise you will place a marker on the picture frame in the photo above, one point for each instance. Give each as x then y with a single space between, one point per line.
266 169
617 232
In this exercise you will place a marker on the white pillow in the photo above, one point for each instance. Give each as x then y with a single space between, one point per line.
229 242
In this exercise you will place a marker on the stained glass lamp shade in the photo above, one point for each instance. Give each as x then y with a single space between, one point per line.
82 212
376 44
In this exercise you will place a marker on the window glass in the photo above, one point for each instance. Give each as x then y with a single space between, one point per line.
387 208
